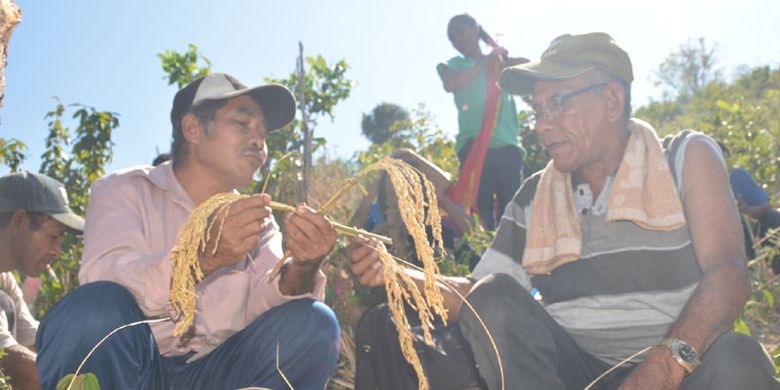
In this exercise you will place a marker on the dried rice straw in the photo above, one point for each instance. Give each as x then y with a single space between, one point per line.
192 239
418 207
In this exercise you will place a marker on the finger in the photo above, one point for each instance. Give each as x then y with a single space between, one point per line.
312 224
362 251
249 202
237 252
365 264
246 246
322 224
248 215
253 228
378 277
373 277
356 242
293 232
304 247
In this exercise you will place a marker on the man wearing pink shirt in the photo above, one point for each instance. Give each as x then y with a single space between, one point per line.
219 132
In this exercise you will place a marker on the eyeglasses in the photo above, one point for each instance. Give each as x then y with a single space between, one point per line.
555 109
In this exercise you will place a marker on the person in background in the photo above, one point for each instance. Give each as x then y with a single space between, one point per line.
34 217
378 210
754 202
161 158
488 140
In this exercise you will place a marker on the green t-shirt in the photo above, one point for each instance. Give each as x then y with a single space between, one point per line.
470 102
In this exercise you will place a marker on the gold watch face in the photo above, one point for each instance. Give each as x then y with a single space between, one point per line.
688 354
685 354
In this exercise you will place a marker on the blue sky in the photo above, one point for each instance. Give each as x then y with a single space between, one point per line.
103 53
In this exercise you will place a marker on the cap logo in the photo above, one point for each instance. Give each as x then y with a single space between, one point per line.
64 195
553 47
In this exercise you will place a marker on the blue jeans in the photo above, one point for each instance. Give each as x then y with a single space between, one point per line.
306 330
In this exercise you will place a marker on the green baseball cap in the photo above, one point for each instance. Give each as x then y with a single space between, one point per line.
34 192
568 56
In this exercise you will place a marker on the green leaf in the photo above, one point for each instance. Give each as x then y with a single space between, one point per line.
770 299
86 381
741 327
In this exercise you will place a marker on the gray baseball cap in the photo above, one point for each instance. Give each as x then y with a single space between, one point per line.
34 192
276 100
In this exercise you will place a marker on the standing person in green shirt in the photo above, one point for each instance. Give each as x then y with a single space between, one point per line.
488 140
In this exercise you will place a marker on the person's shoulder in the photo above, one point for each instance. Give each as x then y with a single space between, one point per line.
459 62
8 282
525 194
687 144
703 145
126 178
126 174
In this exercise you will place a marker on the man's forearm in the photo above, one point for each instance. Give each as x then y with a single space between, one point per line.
452 291
19 364
713 307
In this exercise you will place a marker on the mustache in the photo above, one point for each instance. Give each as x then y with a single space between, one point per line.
255 150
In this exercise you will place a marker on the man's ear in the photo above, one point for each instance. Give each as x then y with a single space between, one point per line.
191 128
616 101
20 219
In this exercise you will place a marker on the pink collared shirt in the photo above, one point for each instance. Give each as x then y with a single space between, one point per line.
132 221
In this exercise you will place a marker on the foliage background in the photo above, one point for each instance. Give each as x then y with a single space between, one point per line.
742 112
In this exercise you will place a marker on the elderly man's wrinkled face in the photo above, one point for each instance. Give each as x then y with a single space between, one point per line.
570 119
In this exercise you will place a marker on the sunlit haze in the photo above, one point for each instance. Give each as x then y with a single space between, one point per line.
103 53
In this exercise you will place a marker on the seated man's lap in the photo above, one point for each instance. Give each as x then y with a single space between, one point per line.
307 332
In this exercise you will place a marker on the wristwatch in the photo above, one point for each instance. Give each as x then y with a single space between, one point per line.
683 352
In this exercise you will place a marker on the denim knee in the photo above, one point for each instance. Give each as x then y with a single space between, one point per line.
94 308
321 328
324 325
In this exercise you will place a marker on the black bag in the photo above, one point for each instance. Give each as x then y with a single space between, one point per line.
449 365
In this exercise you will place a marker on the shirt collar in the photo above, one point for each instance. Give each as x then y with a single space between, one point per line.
583 198
164 178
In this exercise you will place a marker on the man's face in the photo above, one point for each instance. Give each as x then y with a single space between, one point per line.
33 248
572 131
234 146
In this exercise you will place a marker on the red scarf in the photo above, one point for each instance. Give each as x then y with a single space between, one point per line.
466 189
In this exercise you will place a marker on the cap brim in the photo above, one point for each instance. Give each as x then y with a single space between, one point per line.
70 220
520 79
276 100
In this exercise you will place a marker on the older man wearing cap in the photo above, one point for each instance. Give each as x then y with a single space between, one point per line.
34 216
242 319
632 247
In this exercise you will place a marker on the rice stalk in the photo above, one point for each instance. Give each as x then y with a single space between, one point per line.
418 207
